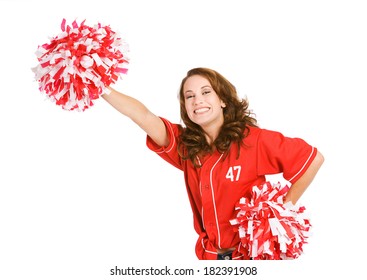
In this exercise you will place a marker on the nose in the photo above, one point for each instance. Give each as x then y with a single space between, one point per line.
198 99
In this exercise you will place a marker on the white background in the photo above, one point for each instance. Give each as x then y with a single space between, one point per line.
80 193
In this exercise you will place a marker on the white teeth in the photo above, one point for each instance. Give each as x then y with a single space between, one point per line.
201 110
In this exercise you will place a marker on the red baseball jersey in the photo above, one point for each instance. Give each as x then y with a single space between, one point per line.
216 186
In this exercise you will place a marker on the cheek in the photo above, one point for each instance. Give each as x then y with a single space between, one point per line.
188 107
188 110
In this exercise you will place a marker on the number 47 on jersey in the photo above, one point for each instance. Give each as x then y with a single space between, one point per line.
233 173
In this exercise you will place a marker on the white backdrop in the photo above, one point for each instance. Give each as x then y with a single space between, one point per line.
80 193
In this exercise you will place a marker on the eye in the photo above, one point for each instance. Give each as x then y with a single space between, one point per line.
189 96
206 92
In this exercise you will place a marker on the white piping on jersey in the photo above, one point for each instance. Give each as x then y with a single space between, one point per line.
216 253
312 151
238 250
213 197
235 258
198 160
202 217
202 208
173 140
211 252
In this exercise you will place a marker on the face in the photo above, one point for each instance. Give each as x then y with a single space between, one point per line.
202 103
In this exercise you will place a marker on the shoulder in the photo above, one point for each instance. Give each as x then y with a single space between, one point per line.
172 128
260 136
253 131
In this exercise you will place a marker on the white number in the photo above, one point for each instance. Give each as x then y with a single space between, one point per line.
231 173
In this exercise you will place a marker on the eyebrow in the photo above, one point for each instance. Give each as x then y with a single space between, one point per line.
200 88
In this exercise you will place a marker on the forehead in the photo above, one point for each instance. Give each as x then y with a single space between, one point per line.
196 82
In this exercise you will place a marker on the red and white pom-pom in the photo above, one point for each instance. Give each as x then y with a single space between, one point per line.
78 65
269 229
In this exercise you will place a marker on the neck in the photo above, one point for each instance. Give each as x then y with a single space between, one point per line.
212 129
211 134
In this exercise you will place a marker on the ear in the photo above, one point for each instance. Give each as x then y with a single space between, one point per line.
222 104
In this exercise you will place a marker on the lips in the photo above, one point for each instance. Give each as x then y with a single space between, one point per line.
201 110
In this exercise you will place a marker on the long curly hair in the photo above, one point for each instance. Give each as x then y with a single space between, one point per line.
237 118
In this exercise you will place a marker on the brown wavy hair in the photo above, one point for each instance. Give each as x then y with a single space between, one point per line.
237 118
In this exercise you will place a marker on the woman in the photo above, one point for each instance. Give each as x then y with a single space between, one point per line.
223 153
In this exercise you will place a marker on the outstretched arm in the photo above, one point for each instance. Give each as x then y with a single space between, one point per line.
299 187
139 114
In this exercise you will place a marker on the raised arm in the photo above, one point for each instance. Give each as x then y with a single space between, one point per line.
139 114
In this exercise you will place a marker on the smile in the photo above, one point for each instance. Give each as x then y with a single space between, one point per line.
201 110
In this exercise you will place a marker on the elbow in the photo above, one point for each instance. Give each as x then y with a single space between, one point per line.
319 159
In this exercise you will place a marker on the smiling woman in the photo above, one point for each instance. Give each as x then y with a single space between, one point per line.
229 115
223 154
203 106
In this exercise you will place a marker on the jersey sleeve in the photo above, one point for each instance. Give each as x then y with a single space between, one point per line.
279 154
169 153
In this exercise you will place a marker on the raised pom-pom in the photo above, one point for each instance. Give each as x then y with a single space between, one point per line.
269 229
78 65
